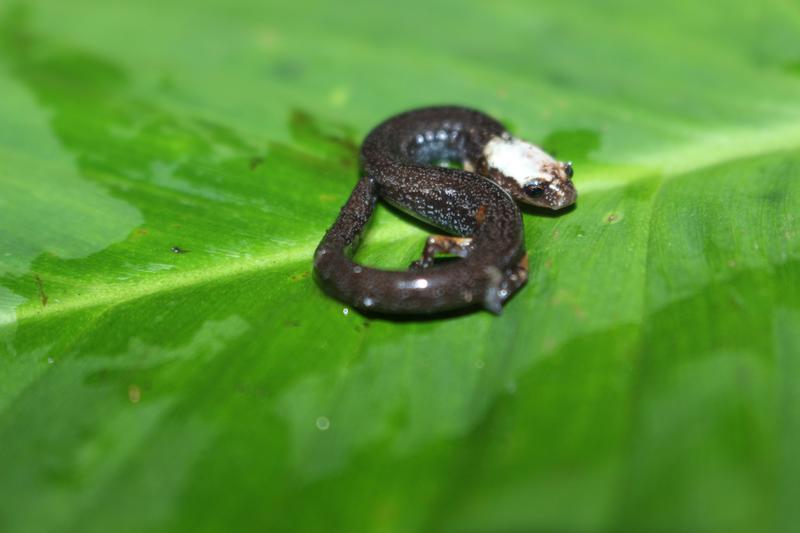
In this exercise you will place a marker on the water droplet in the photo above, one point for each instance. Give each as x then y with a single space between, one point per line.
357 269
50 360
345 311
368 302
323 423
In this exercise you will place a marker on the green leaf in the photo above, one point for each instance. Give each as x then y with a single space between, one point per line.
168 364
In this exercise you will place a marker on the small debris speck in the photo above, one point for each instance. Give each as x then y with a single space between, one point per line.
300 276
134 393
42 294
50 360
177 250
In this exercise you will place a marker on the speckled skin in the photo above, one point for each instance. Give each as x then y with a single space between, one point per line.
398 159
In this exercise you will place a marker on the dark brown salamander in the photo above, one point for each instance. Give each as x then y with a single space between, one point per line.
400 159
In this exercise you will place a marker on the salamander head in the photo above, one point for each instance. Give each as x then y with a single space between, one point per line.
529 174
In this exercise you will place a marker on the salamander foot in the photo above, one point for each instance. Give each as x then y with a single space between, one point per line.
441 244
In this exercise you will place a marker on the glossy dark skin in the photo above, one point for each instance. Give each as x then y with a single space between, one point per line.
399 160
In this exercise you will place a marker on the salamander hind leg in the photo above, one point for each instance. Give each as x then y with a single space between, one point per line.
502 286
442 244
517 276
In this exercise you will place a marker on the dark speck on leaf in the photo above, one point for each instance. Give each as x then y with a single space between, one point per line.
256 162
178 250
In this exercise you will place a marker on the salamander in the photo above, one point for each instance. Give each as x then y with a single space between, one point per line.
402 163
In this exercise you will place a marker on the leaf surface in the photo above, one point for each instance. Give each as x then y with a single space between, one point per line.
167 362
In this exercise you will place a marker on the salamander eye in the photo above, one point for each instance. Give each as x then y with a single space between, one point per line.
568 169
534 190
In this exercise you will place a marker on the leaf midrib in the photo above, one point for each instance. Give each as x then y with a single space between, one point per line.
115 294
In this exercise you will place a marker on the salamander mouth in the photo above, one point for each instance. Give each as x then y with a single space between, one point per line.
564 195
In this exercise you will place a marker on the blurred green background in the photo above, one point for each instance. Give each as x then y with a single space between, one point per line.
646 379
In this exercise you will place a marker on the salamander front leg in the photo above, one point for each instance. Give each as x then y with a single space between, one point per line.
442 244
